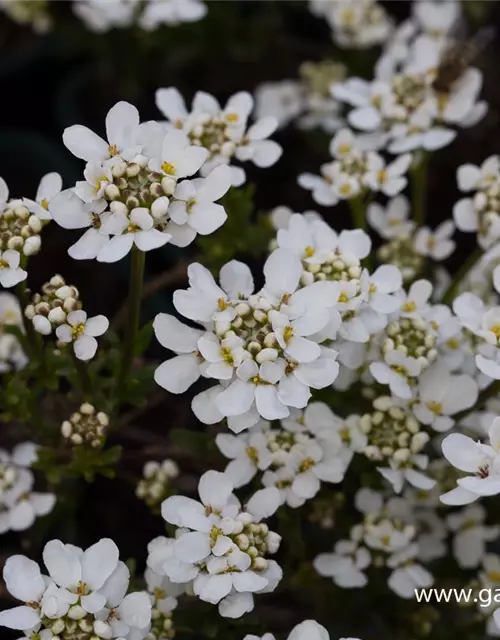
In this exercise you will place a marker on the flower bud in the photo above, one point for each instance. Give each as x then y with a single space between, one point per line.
159 207
32 245
42 325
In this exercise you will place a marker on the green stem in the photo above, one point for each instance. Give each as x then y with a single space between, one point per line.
358 212
452 290
134 312
419 189
83 375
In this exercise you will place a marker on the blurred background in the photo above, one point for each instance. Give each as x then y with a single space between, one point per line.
71 75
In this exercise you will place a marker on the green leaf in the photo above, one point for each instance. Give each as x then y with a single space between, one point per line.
144 336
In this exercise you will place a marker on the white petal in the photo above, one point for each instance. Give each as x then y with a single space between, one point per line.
20 618
135 610
117 248
236 279
96 326
214 489
98 562
121 122
178 374
23 579
85 144
85 347
174 335
264 503
192 547
62 563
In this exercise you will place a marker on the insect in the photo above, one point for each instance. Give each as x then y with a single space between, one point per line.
458 57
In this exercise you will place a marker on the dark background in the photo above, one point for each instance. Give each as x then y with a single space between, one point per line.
72 76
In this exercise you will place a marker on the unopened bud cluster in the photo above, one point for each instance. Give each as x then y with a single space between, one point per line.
162 625
320 76
155 486
255 540
50 308
77 624
392 432
413 338
86 426
334 266
134 185
252 324
401 253
20 229
216 133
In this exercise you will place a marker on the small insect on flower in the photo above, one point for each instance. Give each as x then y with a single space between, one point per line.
458 57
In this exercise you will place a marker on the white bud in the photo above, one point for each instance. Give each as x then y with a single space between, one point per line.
42 325
57 315
159 207
102 629
66 429
76 612
118 207
266 355
32 245
112 192
273 541
35 224
87 409
168 185
57 627
141 160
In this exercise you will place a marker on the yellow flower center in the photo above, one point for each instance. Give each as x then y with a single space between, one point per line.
222 304
496 330
113 150
344 149
45 204
253 454
345 189
78 331
435 407
168 168
306 464
232 117
288 333
383 176
343 297
409 307
4 264
308 252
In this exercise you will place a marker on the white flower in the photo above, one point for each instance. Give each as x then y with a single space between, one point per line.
474 458
408 575
471 535
122 126
50 185
392 222
396 371
282 100
82 332
70 212
194 209
171 12
224 128
438 245
481 212
389 180
10 271
346 565
441 395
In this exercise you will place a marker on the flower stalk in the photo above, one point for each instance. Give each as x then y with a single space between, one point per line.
134 311
419 186
451 293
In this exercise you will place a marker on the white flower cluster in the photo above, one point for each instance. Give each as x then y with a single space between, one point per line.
261 347
355 24
310 447
51 307
28 12
163 594
480 213
83 596
103 15
355 171
155 485
12 356
221 549
308 100
132 192
307 630
387 537
413 103
223 132
19 504
21 222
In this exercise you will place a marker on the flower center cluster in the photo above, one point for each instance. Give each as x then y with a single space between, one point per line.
19 229
392 432
155 486
400 251
215 133
333 266
86 426
412 337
